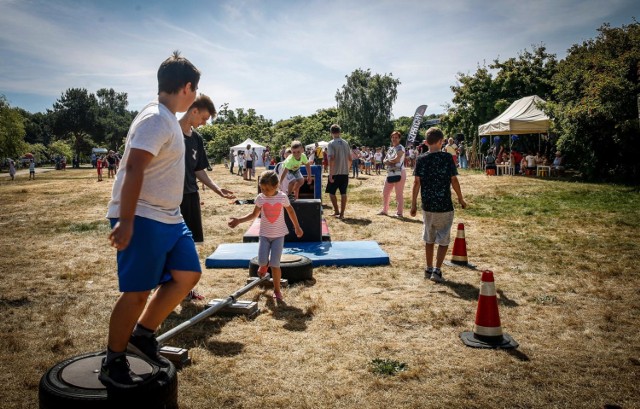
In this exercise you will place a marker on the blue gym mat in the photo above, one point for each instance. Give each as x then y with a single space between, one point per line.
326 253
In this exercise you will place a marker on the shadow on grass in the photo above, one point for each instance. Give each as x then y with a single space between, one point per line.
519 355
296 319
201 331
469 292
355 221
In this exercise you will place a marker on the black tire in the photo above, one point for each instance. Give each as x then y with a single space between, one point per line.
74 384
294 268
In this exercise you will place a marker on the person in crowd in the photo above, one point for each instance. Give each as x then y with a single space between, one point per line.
155 246
270 204
434 176
99 166
377 160
516 158
248 164
462 156
32 169
531 163
396 176
232 160
319 155
240 157
557 167
325 161
12 170
489 160
339 158
452 149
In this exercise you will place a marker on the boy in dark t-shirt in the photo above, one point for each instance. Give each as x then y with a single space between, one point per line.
434 175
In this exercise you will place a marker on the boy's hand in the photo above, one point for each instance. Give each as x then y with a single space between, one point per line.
299 232
233 222
227 194
121 234
308 179
413 211
331 178
462 203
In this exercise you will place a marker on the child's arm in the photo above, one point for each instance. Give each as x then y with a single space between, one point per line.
308 167
284 174
414 196
456 188
121 233
294 220
250 216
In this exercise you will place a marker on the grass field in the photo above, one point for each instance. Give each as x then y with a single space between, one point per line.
565 257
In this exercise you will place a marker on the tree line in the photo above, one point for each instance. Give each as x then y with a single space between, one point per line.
592 97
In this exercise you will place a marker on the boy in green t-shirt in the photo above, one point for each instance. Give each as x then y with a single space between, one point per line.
291 173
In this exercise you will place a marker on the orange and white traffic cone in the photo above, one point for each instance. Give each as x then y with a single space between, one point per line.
487 331
459 252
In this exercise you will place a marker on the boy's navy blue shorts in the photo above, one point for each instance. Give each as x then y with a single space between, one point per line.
154 250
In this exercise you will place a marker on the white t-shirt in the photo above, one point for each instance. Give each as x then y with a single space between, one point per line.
531 161
157 131
272 224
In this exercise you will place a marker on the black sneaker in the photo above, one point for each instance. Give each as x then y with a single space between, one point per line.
436 275
117 373
147 349
427 272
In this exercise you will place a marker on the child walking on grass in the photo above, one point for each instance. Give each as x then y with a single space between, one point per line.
270 205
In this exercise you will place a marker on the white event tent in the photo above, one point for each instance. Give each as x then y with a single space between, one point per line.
243 147
522 117
322 144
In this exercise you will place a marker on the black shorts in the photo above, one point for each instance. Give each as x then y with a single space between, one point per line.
249 164
339 182
190 209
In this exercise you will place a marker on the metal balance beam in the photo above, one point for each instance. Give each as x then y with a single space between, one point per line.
180 356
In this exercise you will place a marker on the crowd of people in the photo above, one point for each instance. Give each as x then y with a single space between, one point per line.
523 163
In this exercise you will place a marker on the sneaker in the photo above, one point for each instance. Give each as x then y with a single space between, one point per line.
147 349
277 295
292 197
262 271
436 275
427 272
194 295
117 373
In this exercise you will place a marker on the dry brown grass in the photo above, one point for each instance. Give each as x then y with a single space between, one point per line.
566 272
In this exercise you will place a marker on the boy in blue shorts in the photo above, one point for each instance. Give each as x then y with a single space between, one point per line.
434 176
155 247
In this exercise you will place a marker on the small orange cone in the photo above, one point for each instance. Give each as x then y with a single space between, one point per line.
487 331
459 252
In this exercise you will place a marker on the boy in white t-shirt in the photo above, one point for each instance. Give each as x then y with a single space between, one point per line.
155 247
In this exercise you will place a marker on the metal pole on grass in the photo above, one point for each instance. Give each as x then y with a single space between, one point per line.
209 311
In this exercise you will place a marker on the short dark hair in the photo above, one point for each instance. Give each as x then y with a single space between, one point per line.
269 178
335 128
175 72
433 135
204 102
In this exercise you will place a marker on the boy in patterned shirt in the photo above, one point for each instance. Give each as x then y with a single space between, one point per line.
434 175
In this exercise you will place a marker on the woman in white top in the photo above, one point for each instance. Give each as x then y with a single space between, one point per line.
396 175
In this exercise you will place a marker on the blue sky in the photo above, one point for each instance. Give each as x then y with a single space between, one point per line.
282 58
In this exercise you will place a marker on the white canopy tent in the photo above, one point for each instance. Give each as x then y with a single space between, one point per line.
243 147
322 144
522 117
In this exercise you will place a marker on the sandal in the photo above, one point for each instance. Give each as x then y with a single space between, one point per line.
277 295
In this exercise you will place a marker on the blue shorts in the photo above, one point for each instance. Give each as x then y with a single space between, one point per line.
154 250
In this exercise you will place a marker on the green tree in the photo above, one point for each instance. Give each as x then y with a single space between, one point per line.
595 110
364 105
61 148
113 119
75 118
12 144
